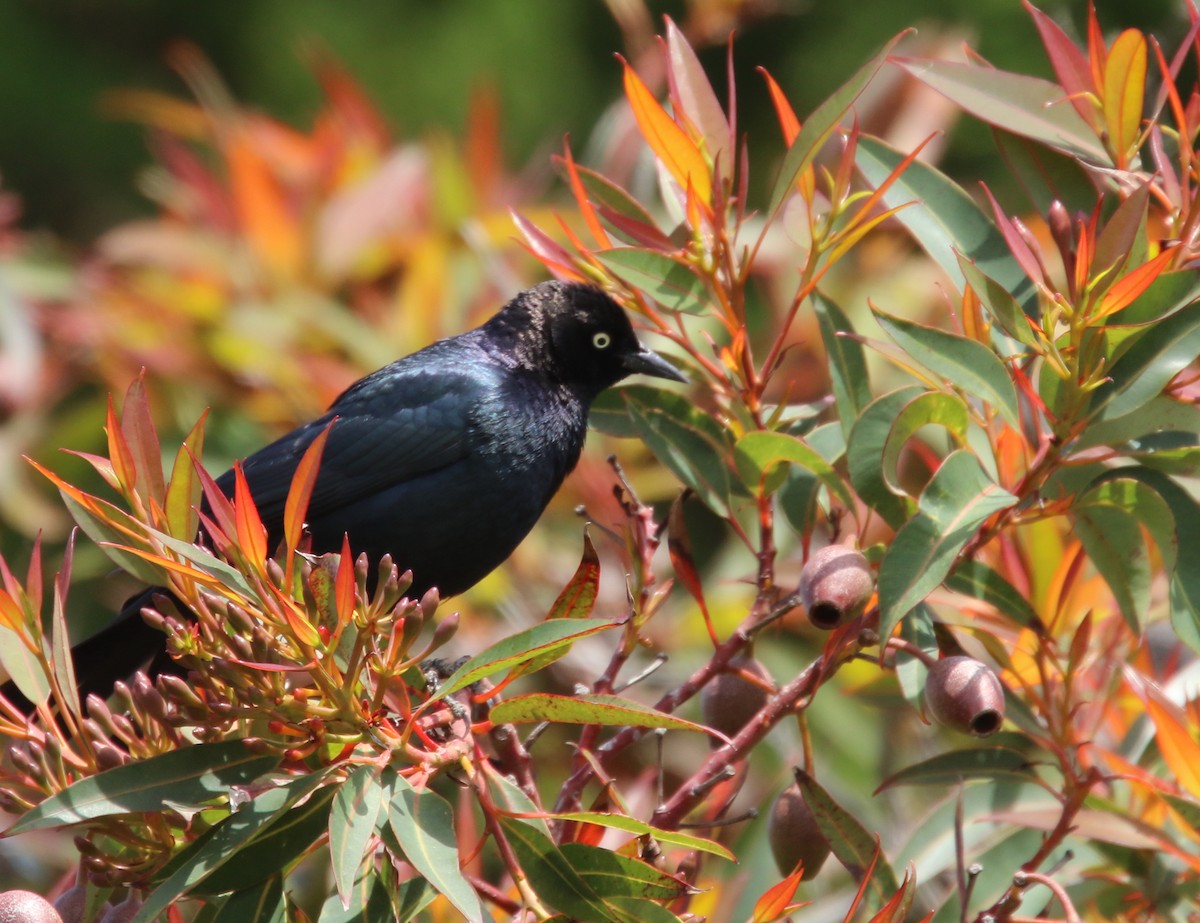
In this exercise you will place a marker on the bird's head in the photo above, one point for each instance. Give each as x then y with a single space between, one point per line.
584 335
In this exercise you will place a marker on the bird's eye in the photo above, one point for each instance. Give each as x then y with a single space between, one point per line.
601 340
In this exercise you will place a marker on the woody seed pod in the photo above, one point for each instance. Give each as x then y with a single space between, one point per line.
835 584
964 694
794 834
730 701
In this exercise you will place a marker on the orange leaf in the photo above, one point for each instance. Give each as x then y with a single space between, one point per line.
343 588
1124 90
183 490
300 491
1097 53
776 900
585 204
783 109
251 533
1132 284
670 143
118 451
1179 748
262 207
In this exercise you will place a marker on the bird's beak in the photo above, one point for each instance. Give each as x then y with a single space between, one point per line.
648 362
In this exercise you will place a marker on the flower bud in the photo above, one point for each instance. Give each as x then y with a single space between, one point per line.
964 694
730 701
835 584
27 907
71 904
794 834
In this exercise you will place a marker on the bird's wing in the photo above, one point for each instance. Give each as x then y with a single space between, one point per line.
389 428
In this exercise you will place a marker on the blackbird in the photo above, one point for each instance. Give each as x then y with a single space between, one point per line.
444 459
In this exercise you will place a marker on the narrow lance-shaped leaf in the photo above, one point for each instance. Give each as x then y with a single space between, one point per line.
554 878
607 710
933 408
665 280
352 824
1159 353
848 375
251 533
964 363
60 641
821 124
955 502
864 454
137 426
1124 89
300 491
641 828
423 823
183 490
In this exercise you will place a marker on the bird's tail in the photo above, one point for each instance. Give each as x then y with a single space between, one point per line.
116 652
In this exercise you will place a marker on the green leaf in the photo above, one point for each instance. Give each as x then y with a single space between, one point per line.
979 581
849 840
821 124
945 221
224 843
579 595
642 910
260 904
22 666
554 878
1004 309
352 821
102 533
955 502
282 840
423 823
1148 364
949 769
864 454
847 363
1160 415
964 363
1026 106
367 901
757 453
930 408
189 776
669 282
613 875
608 710
917 629
641 828
689 442
556 635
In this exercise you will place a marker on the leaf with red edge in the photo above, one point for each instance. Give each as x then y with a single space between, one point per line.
679 547
119 453
896 909
692 94
251 533
183 490
1070 65
579 595
137 426
1016 244
776 901
606 710
60 641
300 491
16 656
221 511
344 584
552 255
1131 285
581 199
669 142
1124 92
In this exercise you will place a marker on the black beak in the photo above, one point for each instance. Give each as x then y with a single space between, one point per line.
648 362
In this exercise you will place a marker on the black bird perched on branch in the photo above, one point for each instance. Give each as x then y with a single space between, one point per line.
444 459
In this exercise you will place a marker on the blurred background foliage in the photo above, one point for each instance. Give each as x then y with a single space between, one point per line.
260 202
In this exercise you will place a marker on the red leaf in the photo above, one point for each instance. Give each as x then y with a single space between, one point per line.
300 491
221 511
783 110
585 205
343 589
551 254
776 900
137 426
679 547
251 533
1069 63
118 451
579 595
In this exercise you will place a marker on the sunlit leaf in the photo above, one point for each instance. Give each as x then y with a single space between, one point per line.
423 823
137 426
955 502
757 453
18 661
978 580
821 124
1004 310
665 280
554 878
864 454
670 143
641 828
1143 370
1027 106
608 710
777 899
931 408
699 103
300 492
849 380
614 875
1124 89
190 776
1070 64
183 490
945 221
352 820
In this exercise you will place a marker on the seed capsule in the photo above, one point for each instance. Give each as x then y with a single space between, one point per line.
835 584
964 694
730 701
794 834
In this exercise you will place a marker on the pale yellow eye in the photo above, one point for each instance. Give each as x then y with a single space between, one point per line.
601 340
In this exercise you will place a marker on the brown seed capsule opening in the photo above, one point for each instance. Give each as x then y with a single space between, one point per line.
964 694
835 585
